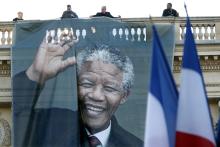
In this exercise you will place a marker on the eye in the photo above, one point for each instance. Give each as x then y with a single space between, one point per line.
111 89
86 84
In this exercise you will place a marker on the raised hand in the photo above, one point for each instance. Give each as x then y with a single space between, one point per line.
49 60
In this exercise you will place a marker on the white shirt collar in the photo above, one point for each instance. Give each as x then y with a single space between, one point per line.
103 135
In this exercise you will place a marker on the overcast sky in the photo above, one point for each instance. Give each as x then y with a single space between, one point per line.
53 9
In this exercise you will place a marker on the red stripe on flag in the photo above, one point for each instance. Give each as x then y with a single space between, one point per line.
190 140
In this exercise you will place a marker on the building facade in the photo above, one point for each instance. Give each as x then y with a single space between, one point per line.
206 31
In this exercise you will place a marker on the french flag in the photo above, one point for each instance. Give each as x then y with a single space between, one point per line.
194 127
160 127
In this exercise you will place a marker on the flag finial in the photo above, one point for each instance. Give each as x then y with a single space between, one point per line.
186 9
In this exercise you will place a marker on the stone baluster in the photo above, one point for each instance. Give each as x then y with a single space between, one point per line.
194 31
200 34
9 39
132 34
84 33
120 32
126 33
212 31
6 37
139 34
48 37
3 37
145 33
53 35
182 35
206 33
77 33
58 32
93 30
114 32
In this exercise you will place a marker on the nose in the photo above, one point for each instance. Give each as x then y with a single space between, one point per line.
97 94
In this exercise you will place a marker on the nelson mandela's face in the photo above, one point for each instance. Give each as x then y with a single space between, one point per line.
100 93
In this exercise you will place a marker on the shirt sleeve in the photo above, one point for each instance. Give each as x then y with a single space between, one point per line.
25 92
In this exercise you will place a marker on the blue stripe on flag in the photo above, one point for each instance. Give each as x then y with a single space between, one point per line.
163 86
190 56
190 61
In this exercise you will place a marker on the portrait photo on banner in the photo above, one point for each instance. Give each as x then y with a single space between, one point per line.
79 79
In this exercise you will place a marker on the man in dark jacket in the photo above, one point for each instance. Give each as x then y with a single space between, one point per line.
105 77
169 11
19 17
104 13
69 13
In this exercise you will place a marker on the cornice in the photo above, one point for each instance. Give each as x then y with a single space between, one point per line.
209 63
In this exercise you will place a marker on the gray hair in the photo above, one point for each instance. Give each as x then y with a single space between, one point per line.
109 55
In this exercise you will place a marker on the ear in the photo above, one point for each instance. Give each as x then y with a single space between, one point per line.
125 97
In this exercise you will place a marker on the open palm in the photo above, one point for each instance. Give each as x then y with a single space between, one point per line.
49 60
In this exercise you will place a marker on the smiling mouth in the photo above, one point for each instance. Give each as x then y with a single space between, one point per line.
94 110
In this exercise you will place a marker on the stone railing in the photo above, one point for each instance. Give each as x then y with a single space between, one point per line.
204 28
6 33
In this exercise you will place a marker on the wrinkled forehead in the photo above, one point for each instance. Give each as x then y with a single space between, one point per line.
100 66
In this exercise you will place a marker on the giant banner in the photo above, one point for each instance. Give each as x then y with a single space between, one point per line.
77 79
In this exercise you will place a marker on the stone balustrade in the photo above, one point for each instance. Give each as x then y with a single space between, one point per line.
204 28
6 33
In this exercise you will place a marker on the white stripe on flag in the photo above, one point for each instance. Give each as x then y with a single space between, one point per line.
156 130
193 114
